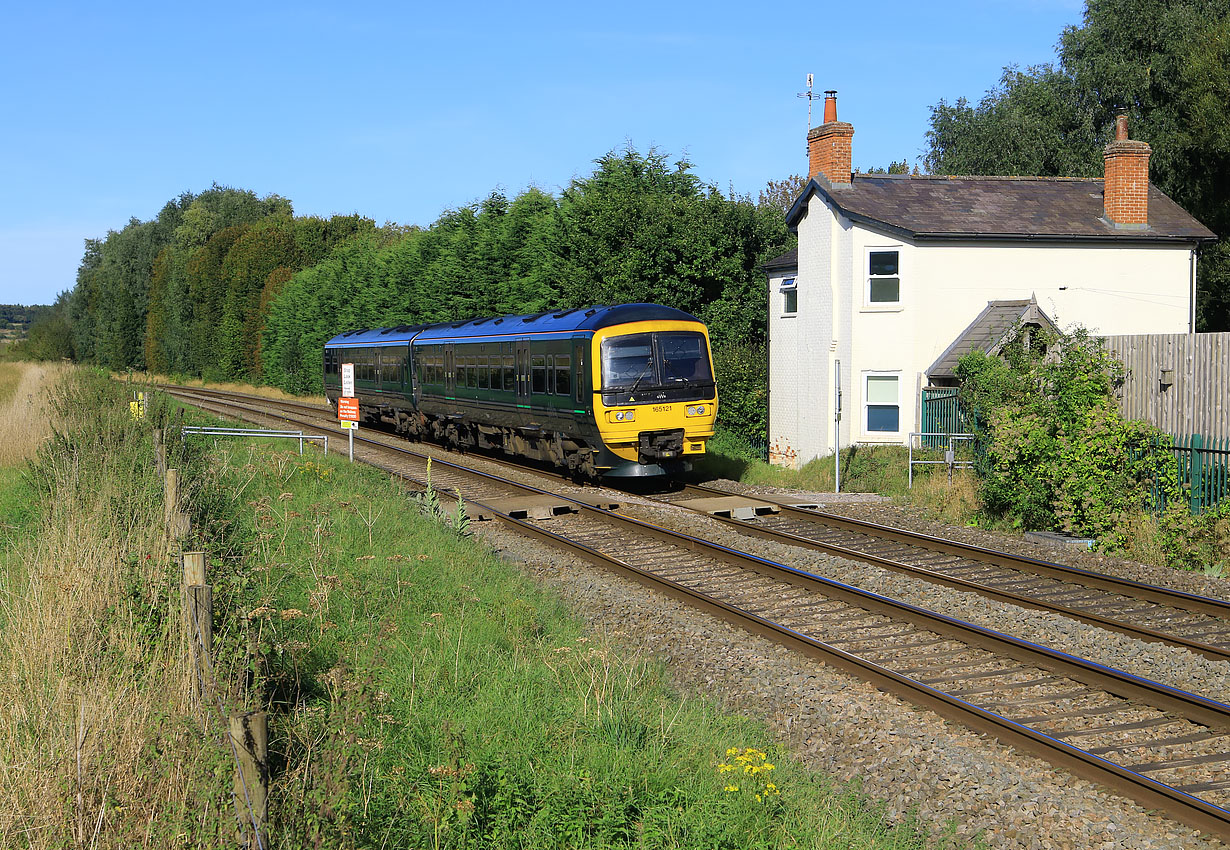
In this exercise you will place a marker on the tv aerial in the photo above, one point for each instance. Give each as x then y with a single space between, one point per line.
809 95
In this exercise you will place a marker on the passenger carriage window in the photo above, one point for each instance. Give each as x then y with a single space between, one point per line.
472 372
510 375
484 381
538 369
563 374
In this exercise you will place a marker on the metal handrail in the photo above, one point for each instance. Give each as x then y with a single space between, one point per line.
211 431
950 454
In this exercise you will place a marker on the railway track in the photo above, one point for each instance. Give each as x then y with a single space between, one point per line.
1142 611
1146 612
1157 744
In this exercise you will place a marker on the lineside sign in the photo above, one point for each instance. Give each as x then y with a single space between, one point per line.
348 409
348 380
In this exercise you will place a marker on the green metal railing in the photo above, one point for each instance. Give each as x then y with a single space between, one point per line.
1204 470
942 415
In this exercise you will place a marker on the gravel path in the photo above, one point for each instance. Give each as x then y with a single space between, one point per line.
909 759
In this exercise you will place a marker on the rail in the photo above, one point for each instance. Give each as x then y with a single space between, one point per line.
950 453
208 431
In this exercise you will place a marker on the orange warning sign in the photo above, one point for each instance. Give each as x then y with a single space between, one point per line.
348 409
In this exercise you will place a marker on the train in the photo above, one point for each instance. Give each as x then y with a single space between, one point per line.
621 391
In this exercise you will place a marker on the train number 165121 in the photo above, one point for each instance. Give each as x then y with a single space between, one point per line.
662 408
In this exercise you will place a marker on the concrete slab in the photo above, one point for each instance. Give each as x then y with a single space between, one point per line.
736 507
534 507
1056 538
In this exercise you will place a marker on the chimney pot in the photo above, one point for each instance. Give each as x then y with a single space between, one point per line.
1121 130
830 106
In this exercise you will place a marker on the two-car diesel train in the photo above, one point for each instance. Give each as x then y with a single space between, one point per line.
620 391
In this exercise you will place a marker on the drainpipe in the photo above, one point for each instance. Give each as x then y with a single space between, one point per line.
1191 321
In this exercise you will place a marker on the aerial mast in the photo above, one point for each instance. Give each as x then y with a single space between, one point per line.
807 94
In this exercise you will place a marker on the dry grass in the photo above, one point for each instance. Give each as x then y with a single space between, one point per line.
25 407
227 386
96 745
956 503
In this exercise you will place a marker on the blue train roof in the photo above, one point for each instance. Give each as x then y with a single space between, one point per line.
554 321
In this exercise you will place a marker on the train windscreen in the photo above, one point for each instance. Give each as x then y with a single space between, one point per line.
661 359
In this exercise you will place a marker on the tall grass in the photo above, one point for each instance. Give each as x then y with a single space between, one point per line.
97 744
25 415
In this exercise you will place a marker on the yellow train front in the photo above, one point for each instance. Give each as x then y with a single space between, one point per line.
617 391
655 401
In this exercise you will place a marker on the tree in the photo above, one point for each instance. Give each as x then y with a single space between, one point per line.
781 194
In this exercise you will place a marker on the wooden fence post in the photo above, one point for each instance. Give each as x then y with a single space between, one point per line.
194 568
250 738
198 619
160 453
175 521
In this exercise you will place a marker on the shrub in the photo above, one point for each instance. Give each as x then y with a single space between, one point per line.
1054 449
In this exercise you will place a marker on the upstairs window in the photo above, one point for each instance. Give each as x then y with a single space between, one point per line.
883 279
790 297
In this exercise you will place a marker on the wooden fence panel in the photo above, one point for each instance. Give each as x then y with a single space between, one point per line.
1178 382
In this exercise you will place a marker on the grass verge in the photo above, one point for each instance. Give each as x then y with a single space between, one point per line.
426 694
99 745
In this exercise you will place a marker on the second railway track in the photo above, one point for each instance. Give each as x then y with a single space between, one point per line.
1157 744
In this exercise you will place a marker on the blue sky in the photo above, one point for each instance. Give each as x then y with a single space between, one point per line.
399 112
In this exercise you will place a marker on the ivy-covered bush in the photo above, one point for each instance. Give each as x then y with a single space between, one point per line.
1054 450
1196 541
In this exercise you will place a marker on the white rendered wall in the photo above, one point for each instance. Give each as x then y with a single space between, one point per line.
1111 289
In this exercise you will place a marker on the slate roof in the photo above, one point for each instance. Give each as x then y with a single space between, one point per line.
1013 208
988 332
788 260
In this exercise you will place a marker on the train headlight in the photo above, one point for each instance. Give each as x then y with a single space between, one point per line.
696 410
623 416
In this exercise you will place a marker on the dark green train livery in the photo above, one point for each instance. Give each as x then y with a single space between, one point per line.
626 390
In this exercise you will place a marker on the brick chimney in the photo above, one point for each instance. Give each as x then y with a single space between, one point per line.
1126 187
828 146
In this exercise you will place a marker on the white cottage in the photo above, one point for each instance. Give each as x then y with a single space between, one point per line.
896 275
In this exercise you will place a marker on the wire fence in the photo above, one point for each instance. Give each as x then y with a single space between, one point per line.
244 734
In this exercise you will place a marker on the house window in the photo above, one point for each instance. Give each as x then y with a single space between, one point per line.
882 410
883 280
790 297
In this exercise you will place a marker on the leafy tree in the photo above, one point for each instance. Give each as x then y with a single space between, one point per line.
781 194
50 333
894 167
